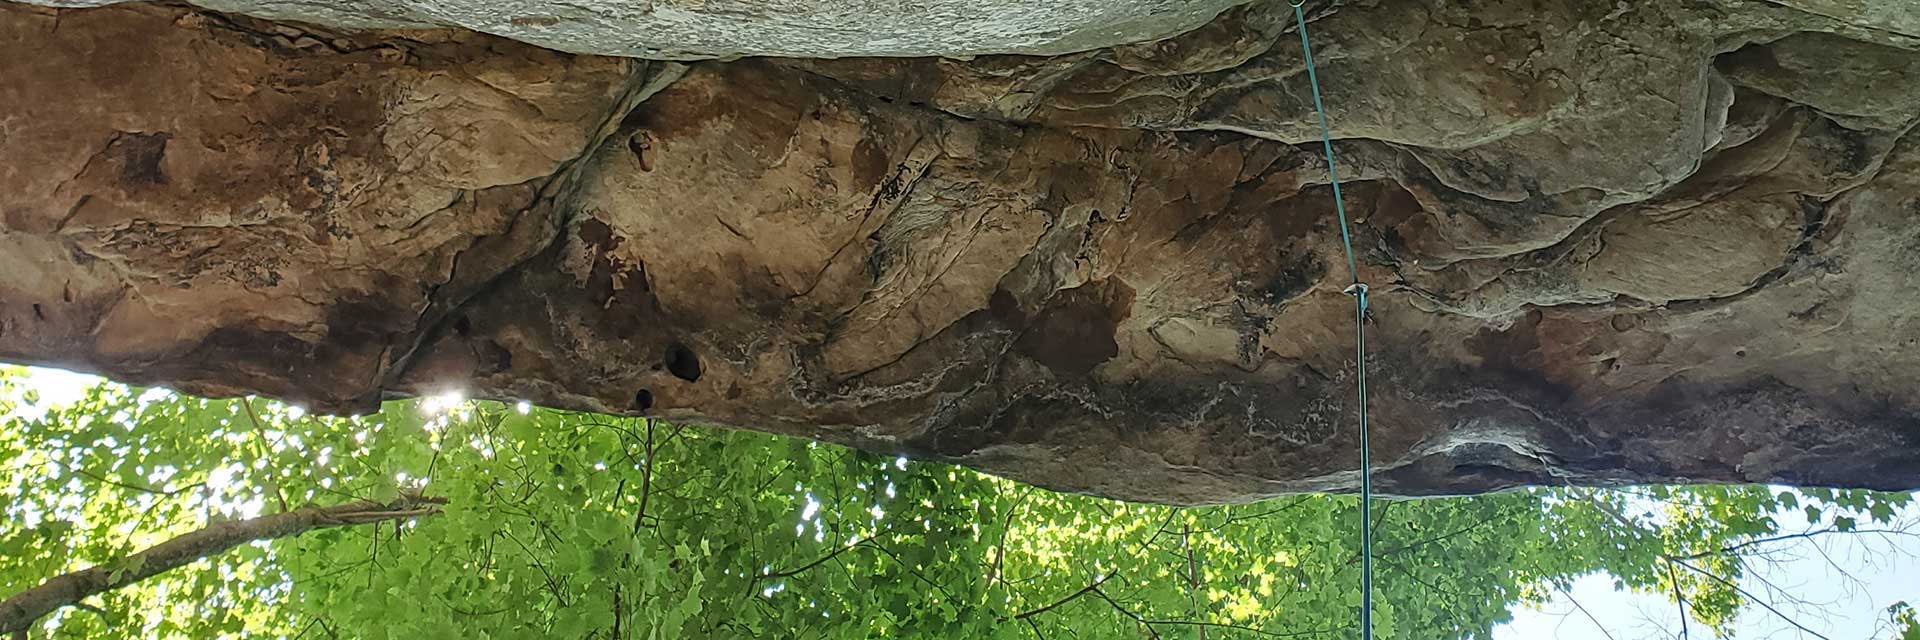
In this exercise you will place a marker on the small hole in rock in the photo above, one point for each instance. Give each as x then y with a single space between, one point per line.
1740 354
643 400
502 358
682 363
641 144
462 326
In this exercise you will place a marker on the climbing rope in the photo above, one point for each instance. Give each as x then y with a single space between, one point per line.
1359 292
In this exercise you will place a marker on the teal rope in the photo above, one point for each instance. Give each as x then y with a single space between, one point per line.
1359 292
1366 471
1326 143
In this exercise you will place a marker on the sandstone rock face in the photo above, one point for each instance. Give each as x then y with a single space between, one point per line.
1607 244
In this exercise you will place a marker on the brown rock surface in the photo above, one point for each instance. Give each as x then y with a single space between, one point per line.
1608 243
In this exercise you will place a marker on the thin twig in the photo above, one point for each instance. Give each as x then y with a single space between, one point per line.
817 562
164 493
1674 579
1123 610
1090 588
1743 592
1796 536
1000 548
1588 614
646 482
1193 577
279 493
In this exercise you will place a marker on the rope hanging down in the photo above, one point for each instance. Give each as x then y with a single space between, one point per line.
1359 292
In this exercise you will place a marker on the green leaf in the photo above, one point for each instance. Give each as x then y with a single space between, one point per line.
1881 512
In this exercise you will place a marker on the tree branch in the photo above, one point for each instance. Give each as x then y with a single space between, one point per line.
1035 628
817 562
260 449
1256 516
1477 524
1731 549
1123 610
646 482
1677 598
1588 614
164 493
1193 577
1000 548
1743 592
18 613
1069 598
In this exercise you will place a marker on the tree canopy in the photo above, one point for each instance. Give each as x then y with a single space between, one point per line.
446 518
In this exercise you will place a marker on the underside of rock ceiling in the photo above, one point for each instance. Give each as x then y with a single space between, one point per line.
1608 242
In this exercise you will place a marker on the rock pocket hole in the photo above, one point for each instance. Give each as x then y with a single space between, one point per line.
641 144
643 400
682 363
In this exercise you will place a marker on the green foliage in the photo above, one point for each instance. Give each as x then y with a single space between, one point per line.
1905 621
562 525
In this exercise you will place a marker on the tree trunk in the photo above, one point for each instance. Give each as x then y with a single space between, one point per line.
18 613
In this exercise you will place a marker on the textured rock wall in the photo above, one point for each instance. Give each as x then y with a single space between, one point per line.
703 29
1609 243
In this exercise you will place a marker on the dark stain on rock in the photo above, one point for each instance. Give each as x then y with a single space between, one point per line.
356 323
1296 275
1518 360
610 284
1005 308
496 358
869 162
761 122
1515 347
140 155
241 344
1076 331
273 363
1844 152
612 280
598 235
682 363
878 257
